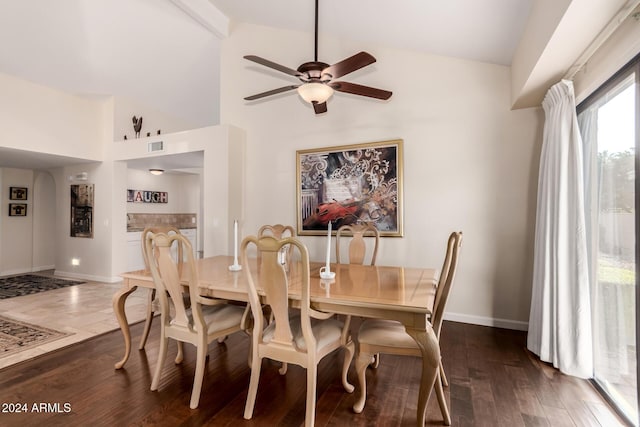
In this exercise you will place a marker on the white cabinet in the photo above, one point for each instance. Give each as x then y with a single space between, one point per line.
135 260
192 235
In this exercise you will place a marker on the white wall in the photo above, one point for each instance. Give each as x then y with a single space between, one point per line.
94 254
44 221
152 119
470 162
221 182
16 232
42 119
183 192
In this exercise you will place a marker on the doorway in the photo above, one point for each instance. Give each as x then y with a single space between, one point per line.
609 123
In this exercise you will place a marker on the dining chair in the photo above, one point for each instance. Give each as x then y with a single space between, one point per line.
362 235
205 320
152 303
278 231
357 247
390 337
303 338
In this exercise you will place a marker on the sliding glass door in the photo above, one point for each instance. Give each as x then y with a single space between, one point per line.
609 123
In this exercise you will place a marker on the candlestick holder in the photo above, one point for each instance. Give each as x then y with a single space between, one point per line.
235 267
326 273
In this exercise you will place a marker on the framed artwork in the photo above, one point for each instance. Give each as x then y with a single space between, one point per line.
17 209
18 193
82 210
349 184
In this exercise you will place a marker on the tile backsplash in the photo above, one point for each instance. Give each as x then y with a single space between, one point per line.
138 221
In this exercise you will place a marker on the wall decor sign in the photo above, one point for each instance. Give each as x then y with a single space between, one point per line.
348 184
82 196
17 209
18 193
142 196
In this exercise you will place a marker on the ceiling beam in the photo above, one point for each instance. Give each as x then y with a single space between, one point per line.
207 15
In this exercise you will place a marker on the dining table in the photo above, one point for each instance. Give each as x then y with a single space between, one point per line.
404 294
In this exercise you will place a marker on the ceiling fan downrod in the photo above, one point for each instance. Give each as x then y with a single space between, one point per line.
315 58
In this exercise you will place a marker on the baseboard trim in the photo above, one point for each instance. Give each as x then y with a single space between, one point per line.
44 267
487 321
16 272
90 277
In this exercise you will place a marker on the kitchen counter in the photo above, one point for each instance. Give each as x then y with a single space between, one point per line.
139 229
138 221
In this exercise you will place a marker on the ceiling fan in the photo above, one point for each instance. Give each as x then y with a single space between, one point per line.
318 78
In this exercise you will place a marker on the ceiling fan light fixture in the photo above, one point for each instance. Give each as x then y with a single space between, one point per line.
315 92
156 171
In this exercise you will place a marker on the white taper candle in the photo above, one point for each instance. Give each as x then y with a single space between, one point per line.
328 248
235 242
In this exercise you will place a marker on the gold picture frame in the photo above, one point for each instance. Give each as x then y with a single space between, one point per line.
350 183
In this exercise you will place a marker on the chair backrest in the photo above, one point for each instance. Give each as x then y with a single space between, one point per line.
167 278
447 274
178 252
278 231
357 244
274 285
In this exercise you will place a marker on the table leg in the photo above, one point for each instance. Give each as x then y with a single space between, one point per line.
430 349
119 299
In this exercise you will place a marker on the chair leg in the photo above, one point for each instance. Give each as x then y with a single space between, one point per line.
201 355
376 361
283 368
442 402
162 353
445 382
363 360
312 379
180 355
348 357
149 319
256 364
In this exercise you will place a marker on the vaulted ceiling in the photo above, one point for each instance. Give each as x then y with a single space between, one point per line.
154 52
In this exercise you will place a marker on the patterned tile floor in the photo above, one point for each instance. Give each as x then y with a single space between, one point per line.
83 310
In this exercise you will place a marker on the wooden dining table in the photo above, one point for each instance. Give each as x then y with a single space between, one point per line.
397 293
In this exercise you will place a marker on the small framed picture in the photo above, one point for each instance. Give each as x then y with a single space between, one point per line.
17 209
18 193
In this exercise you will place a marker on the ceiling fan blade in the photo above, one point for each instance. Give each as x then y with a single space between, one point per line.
319 107
349 65
357 89
271 92
275 66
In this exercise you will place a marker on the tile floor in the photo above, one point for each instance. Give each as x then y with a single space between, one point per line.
83 310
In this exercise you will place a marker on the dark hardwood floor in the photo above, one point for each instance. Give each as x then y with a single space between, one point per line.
494 381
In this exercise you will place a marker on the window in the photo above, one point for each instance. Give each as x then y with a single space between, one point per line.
610 126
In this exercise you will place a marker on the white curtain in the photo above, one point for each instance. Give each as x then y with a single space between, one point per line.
560 317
